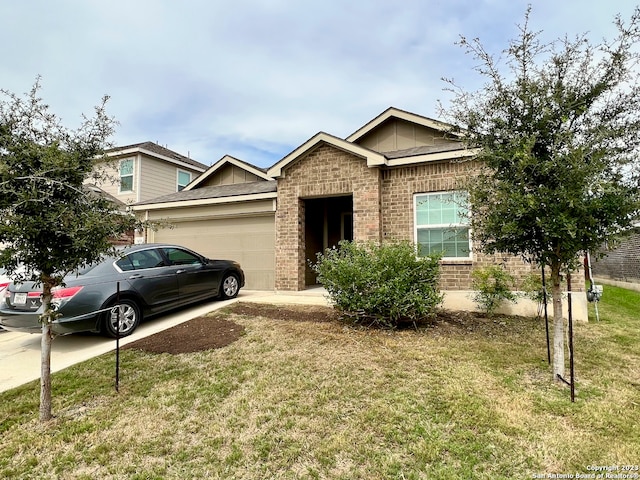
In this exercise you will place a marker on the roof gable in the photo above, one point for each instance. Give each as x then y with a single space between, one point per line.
391 113
220 165
372 158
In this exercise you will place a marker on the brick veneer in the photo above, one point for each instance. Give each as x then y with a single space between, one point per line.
382 209
326 171
398 188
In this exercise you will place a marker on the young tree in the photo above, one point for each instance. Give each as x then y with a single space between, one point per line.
51 222
558 135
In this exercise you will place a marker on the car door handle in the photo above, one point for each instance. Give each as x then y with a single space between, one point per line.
180 271
136 275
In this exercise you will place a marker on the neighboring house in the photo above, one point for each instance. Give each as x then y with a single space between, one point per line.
147 170
397 177
623 262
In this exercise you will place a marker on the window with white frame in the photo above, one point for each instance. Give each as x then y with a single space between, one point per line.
184 179
126 175
442 225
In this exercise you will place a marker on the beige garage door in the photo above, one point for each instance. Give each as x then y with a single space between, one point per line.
248 240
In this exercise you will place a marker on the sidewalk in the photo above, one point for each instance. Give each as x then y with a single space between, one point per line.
20 352
310 296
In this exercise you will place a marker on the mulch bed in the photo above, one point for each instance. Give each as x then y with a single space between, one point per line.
200 333
205 333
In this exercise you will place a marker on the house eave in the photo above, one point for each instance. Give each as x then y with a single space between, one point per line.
433 157
204 201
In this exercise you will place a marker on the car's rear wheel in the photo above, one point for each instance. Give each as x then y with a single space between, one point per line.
122 319
230 286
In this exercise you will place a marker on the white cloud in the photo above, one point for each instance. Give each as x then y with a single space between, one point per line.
252 78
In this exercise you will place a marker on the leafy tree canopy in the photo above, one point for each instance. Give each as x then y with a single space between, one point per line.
52 221
558 131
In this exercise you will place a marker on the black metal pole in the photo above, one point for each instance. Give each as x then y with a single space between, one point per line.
573 391
546 314
117 336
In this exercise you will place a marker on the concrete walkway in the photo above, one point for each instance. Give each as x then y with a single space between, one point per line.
20 352
311 296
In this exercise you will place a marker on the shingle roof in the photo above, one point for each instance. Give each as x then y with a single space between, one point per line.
218 191
95 190
262 169
160 150
424 150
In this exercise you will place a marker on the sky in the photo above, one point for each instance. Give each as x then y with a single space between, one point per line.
255 79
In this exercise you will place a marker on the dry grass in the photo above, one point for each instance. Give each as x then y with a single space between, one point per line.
322 400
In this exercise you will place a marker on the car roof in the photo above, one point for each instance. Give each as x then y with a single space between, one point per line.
123 250
145 246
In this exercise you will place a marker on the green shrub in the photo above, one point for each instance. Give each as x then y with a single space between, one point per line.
492 285
382 285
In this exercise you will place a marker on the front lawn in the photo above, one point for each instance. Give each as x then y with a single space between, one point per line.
469 398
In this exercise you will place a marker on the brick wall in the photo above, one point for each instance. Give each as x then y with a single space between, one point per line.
398 188
326 171
382 209
622 263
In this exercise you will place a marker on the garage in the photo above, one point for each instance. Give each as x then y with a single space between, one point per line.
248 240
233 222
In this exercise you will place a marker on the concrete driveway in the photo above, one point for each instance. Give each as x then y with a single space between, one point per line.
20 352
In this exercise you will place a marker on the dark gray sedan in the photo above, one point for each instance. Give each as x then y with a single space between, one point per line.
152 278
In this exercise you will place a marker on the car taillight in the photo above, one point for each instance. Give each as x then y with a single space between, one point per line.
3 287
64 293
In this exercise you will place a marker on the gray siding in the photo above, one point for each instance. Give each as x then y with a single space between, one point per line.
159 178
397 134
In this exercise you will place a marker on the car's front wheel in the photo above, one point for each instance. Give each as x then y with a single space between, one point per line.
122 319
230 286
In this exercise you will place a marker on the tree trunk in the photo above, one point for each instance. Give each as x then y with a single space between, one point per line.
558 323
45 356
45 373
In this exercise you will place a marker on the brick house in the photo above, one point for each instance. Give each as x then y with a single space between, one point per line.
395 178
